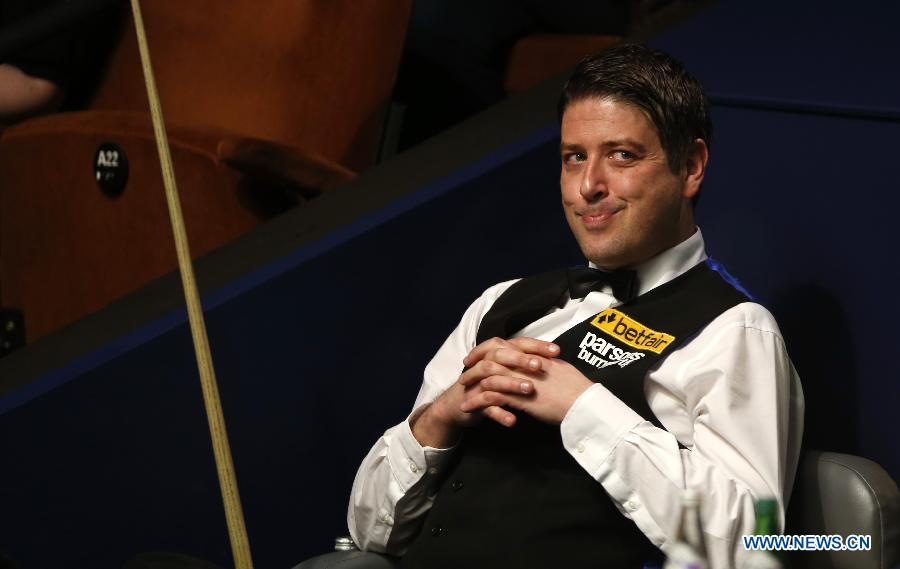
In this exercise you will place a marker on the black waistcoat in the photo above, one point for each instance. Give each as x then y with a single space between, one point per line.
516 498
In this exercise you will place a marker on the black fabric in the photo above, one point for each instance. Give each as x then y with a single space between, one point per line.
523 303
516 497
583 280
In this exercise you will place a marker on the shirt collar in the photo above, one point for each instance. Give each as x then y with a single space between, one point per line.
670 263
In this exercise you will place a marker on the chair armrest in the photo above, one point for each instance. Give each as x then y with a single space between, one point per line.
281 165
351 560
286 166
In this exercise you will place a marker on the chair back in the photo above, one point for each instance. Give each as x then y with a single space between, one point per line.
266 104
313 74
842 494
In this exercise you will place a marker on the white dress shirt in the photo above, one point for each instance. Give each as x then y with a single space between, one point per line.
729 394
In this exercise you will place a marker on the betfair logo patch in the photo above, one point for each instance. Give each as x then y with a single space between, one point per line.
632 332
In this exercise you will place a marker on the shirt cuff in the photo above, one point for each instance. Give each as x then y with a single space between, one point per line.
410 461
594 426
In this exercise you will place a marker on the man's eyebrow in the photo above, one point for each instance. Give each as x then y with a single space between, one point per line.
631 143
625 142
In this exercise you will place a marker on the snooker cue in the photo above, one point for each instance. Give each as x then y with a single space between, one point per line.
237 531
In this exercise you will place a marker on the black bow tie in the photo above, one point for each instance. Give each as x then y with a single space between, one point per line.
583 280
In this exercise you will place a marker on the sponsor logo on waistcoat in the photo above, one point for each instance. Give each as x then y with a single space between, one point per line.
599 353
631 332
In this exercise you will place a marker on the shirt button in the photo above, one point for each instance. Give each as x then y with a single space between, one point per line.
632 505
456 485
387 519
413 467
579 446
437 530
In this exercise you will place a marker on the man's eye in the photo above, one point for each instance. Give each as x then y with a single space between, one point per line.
623 155
570 157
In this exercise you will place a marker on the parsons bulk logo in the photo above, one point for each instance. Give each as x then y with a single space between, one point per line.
599 353
632 332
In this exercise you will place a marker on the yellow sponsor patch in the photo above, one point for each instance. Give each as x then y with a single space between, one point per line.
632 332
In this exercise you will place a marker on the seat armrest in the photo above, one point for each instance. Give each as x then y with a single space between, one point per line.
351 560
281 165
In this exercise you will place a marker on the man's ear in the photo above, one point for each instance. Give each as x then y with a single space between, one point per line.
695 167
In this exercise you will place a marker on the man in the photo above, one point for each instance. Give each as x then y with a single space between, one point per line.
57 72
22 95
560 422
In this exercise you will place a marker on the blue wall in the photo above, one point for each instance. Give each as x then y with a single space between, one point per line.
803 193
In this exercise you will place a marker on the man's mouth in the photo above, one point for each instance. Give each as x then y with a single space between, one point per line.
597 219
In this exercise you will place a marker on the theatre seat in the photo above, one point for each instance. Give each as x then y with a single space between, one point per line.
67 248
538 57
266 104
835 494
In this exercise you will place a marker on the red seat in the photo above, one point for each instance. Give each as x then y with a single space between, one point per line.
266 105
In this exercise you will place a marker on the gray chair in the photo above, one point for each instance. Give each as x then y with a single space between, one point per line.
842 494
835 493
350 560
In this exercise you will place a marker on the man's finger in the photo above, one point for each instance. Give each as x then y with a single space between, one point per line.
511 359
522 344
500 415
478 401
507 384
484 399
488 368
481 349
535 346
481 370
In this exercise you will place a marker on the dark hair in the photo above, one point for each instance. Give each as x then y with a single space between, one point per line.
653 81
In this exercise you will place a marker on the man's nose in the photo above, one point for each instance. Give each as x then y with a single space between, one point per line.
593 184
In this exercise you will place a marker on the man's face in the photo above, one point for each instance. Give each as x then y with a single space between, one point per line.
621 199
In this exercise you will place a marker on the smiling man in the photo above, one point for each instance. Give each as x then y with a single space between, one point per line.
560 422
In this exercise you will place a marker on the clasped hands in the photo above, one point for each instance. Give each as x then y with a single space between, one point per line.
521 374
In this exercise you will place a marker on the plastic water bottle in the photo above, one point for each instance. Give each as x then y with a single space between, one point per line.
689 549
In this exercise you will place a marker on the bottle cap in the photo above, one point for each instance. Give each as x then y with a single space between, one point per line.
766 506
344 543
690 496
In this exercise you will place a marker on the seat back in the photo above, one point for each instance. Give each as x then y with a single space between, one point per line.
315 75
260 98
842 494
